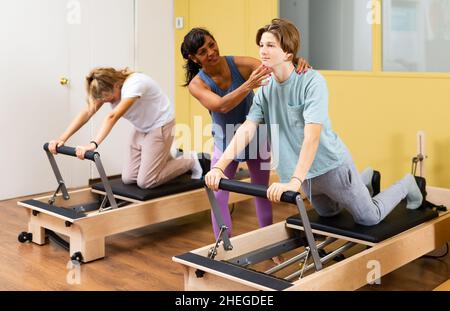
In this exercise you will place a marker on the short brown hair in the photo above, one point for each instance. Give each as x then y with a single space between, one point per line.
286 33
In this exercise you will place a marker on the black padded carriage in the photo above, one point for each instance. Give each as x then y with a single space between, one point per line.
132 191
398 221
180 184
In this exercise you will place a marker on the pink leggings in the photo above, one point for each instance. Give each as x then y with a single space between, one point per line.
257 176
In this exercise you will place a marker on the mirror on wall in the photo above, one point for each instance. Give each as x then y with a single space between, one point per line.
336 34
416 35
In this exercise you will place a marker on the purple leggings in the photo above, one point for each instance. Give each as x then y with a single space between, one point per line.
257 176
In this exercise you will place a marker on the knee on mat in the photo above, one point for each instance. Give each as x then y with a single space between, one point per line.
127 180
148 183
327 214
368 221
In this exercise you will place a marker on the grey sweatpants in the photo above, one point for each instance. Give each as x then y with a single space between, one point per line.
343 187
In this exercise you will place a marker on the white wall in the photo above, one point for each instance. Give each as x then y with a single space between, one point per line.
155 42
33 56
102 35
35 108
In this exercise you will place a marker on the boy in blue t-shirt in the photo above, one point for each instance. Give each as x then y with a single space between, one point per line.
307 152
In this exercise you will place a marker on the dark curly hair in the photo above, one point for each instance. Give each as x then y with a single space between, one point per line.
191 43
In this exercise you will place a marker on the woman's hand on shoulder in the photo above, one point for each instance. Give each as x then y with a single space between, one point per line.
303 65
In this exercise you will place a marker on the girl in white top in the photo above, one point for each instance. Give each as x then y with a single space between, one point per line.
137 98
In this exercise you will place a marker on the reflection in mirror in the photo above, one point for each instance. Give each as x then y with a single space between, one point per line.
416 35
336 34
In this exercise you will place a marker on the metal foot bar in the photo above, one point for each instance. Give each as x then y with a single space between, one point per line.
219 220
212 253
261 191
298 257
268 252
323 260
105 181
59 179
90 155
308 232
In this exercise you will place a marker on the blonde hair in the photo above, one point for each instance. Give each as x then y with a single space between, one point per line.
286 33
102 80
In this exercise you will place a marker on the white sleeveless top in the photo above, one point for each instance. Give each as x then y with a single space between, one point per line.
152 109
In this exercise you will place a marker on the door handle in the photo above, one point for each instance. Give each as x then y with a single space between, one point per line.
64 81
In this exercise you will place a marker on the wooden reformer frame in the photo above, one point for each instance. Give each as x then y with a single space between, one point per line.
202 273
348 274
87 230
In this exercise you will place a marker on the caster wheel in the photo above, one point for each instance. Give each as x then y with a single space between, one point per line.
77 257
25 236
199 273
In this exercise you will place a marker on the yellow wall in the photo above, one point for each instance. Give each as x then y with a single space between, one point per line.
377 114
233 23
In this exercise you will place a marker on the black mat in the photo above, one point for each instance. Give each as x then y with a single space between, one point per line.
180 184
399 220
237 271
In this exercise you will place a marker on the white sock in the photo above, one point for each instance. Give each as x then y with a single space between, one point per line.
173 152
197 170
414 197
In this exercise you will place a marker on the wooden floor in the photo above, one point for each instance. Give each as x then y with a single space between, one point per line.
141 259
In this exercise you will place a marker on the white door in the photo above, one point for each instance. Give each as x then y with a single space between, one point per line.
42 41
100 34
33 105
112 44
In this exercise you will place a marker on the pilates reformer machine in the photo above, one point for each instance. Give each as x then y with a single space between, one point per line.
87 216
320 253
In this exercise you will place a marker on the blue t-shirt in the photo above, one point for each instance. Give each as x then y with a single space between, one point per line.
286 107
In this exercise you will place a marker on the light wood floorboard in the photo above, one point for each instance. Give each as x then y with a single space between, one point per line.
141 259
